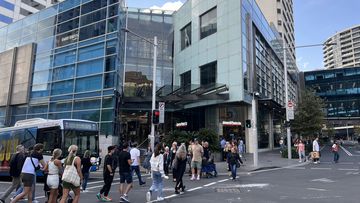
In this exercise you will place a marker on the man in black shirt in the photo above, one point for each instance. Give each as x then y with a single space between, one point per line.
125 173
108 176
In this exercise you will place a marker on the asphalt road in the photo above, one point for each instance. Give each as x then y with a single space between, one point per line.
324 182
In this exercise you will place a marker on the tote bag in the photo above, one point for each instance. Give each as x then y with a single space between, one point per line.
71 175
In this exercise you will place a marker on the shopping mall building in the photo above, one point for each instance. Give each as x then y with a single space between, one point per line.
74 60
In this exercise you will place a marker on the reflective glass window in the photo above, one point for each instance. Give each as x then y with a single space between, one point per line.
45 45
62 87
17 110
15 26
41 77
60 106
67 38
50 11
47 23
112 25
93 17
67 26
92 30
87 95
108 102
90 67
107 115
14 35
208 74
42 63
113 10
111 47
65 72
60 115
110 63
31 29
208 23
65 58
109 80
65 5
87 104
28 39
89 83
91 41
106 128
185 36
89 7
45 33
87 115
73 13
90 52
40 90
38 108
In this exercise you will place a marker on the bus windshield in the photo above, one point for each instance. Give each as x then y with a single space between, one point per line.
85 140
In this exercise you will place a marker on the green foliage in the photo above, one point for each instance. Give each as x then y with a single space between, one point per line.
211 137
178 136
357 130
294 154
309 115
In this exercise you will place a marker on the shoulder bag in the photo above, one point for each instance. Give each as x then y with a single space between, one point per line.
71 175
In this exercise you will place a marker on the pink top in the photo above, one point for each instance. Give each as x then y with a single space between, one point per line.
301 147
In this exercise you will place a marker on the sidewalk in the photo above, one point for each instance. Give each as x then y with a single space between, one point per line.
267 160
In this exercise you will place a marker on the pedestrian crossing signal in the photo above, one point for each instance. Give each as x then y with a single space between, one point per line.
248 123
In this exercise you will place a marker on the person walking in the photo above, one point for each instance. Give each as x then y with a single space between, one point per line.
316 151
125 173
157 173
301 151
241 149
85 169
166 156
180 159
135 166
146 163
222 146
108 174
32 163
173 150
16 164
72 160
335 150
234 161
197 153
54 168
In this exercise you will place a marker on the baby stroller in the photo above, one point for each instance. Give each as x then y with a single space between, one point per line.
208 169
60 191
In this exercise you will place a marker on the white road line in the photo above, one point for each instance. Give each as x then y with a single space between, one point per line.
316 189
298 168
192 189
346 151
207 185
220 181
347 163
348 169
321 168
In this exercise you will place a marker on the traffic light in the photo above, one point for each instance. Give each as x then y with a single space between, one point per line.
287 124
248 123
155 116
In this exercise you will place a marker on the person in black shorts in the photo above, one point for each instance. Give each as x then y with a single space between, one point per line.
125 173
108 176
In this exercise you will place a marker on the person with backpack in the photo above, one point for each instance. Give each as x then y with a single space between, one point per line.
28 172
16 164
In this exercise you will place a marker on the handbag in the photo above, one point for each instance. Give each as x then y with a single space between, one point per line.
71 175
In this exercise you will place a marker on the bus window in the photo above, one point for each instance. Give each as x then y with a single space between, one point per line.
85 140
26 137
50 137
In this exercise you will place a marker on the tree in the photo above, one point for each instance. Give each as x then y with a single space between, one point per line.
309 115
357 130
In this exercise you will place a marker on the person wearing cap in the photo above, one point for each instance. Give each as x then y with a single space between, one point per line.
108 174
197 153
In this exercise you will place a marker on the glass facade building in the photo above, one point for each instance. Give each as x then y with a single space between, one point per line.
340 89
76 68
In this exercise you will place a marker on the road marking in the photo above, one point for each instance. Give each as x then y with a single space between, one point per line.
298 168
220 181
192 189
316 189
348 169
347 163
207 185
321 168
346 151
324 180
259 185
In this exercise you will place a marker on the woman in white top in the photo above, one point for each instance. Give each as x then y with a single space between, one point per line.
54 168
32 163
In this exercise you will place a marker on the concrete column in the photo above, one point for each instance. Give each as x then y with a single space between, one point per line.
271 130
249 133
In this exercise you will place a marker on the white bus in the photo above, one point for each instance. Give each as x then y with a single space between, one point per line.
52 133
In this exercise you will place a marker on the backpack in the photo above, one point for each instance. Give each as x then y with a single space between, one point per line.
16 164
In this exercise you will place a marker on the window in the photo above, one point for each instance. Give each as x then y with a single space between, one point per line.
60 106
87 104
92 30
93 5
62 73
185 80
65 58
93 17
69 14
67 38
112 25
279 10
90 67
208 74
90 52
67 26
89 83
33 4
185 36
63 87
208 24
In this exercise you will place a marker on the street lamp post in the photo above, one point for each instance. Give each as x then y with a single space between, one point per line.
153 100
254 127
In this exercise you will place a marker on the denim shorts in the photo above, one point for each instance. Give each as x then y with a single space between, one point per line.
126 176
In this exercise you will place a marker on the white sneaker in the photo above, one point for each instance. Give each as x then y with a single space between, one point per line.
148 196
35 201
198 178
192 178
160 199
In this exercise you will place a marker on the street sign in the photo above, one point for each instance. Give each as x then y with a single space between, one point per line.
162 112
290 110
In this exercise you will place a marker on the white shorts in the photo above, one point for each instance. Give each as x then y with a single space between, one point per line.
53 181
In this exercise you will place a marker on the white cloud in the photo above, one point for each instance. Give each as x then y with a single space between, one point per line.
169 6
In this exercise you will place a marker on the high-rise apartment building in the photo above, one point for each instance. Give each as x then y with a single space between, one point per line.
12 10
280 14
345 51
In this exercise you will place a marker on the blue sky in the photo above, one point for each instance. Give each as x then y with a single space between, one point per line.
315 21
